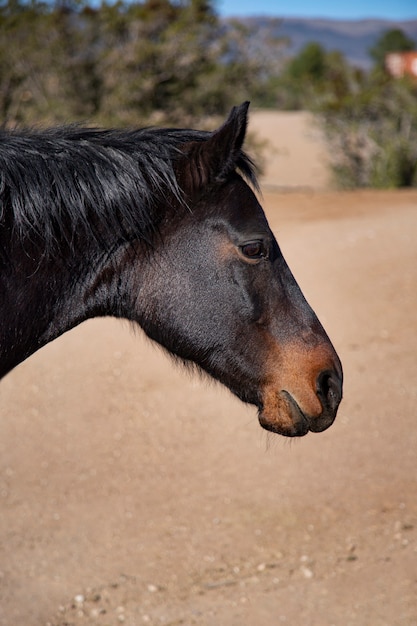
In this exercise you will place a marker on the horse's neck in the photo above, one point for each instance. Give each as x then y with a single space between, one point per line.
41 301
31 316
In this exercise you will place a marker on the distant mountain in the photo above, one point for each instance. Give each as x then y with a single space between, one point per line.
352 38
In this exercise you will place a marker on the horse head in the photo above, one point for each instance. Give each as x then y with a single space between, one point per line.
219 293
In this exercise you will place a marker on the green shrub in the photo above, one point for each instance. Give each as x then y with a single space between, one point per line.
373 135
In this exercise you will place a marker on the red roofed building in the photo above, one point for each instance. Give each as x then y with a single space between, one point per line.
399 64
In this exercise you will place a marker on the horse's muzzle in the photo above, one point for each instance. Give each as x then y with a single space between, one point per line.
285 415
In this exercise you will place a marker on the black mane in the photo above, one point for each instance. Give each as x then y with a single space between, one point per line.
57 181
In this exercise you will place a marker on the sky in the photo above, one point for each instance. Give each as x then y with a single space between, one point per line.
333 9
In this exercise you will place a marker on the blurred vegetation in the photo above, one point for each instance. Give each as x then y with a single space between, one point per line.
123 63
394 40
175 62
368 118
372 133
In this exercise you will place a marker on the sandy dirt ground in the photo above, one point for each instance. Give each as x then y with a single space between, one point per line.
131 493
292 150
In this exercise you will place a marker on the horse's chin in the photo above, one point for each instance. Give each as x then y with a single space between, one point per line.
287 419
290 430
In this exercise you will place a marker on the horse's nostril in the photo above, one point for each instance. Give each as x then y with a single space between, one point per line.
329 389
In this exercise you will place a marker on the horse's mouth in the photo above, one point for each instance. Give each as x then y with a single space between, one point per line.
289 420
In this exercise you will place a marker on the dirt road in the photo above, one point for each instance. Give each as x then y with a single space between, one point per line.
131 493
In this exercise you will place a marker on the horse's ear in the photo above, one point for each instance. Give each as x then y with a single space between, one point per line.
215 158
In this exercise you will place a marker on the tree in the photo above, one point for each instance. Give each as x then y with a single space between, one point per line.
309 64
48 61
310 79
394 40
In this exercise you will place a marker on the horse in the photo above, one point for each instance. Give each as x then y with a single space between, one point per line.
162 227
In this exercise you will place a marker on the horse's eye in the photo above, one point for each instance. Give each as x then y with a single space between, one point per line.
254 250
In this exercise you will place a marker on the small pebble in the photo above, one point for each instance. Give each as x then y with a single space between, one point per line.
307 572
